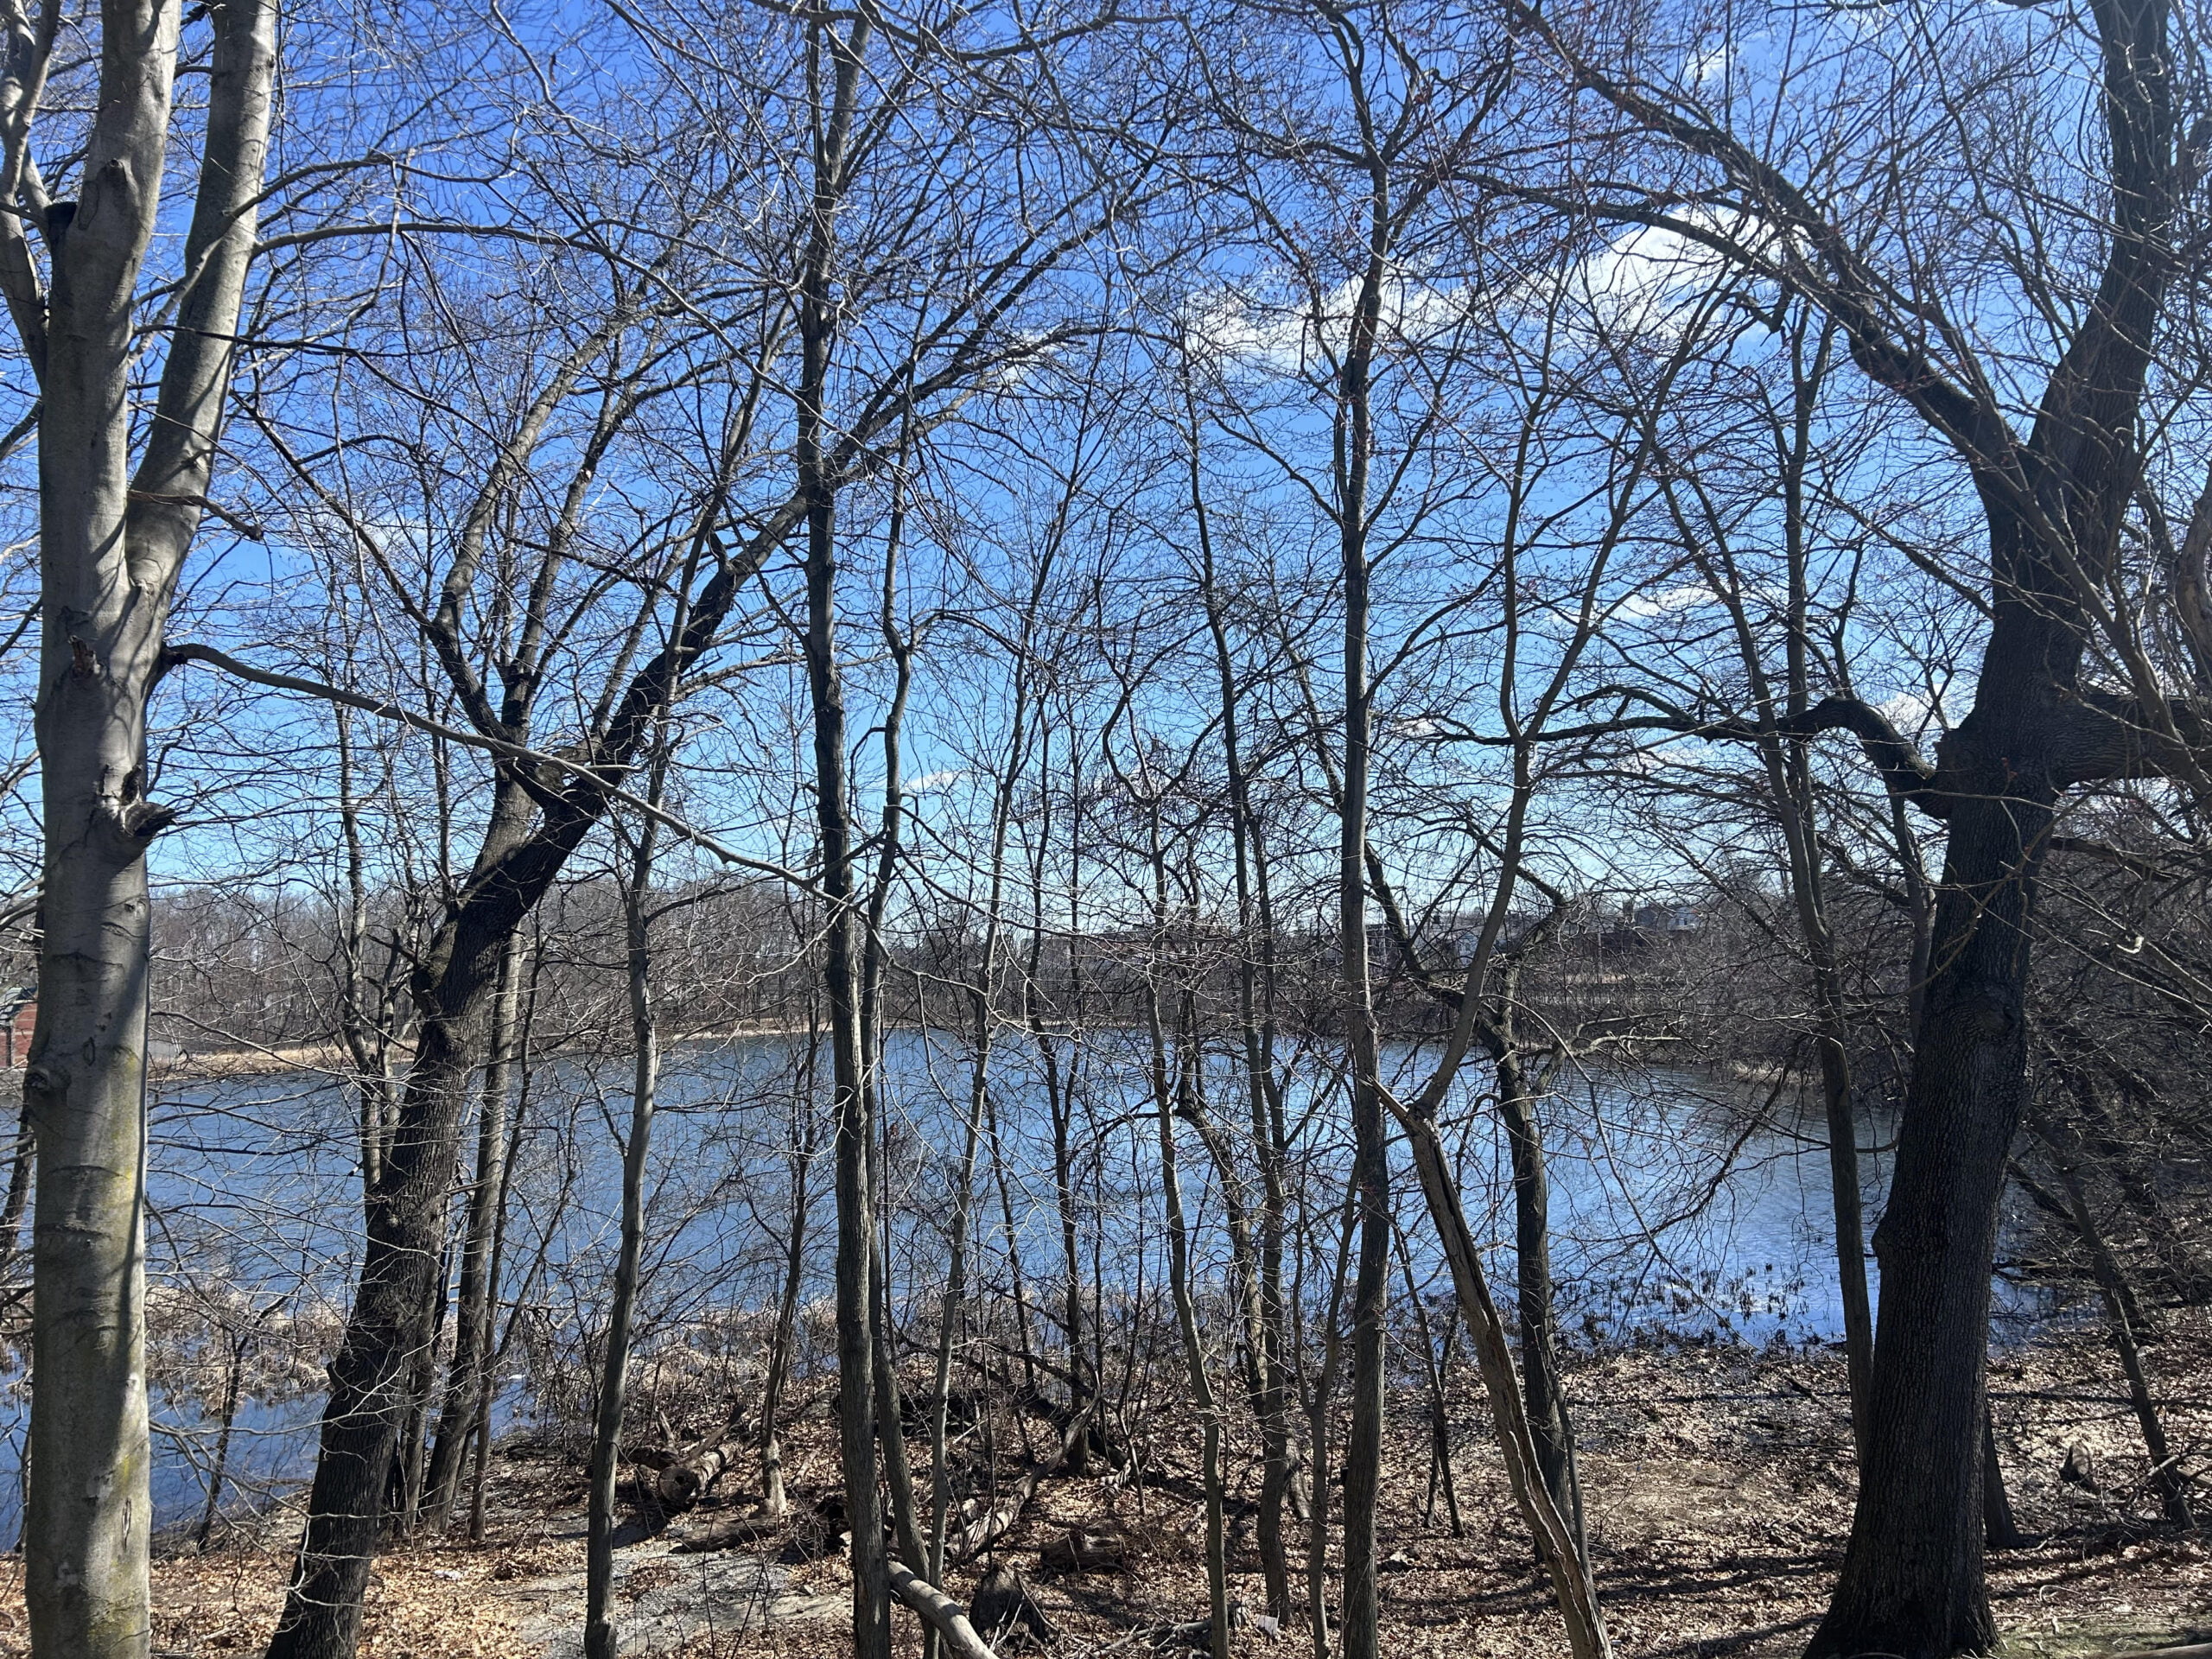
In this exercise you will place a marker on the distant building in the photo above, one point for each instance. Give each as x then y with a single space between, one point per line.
18 1018
1448 941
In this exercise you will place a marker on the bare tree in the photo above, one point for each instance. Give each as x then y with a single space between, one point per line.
599 1640
2068 691
113 539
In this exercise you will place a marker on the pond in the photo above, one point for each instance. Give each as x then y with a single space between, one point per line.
1677 1215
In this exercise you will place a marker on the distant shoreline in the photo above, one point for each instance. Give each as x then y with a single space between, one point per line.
220 1064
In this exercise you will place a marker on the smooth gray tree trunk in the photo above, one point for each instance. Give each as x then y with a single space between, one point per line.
112 544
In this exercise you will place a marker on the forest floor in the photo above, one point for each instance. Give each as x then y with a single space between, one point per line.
1717 1482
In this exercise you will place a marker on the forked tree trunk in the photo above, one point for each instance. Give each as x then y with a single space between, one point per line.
111 548
390 1325
528 840
465 1379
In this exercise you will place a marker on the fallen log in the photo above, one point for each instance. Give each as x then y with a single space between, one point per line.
737 1534
682 1483
994 1524
944 1615
1085 1552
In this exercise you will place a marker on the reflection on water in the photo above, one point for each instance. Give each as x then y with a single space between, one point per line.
1672 1218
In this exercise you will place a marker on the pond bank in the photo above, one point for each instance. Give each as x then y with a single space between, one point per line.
1719 1481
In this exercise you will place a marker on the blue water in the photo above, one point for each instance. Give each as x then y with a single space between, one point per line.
1669 1222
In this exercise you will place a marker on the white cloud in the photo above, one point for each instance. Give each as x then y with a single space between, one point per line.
1287 335
1646 278
1665 601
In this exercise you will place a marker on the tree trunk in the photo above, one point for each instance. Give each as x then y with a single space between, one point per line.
473 1316
890 1429
1062 1087
871 1630
389 1325
800 1161
412 1463
1318 1403
943 1614
1256 993
1164 1094
599 1640
111 547
234 1375
1548 1523
479 1435
951 1311
1999 1529
2166 1477
1550 1428
1912 1580
1370 1157
1440 1420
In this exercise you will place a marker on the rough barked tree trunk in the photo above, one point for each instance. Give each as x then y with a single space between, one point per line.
2054 501
1912 1581
472 1348
453 986
1551 1429
111 547
393 1300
